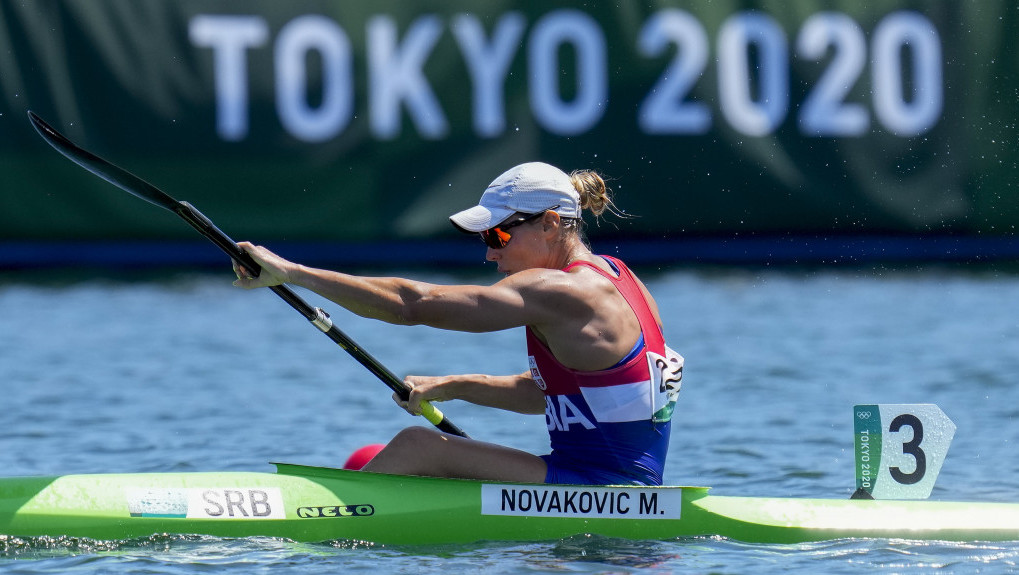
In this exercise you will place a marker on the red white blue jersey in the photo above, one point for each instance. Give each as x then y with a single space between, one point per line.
610 426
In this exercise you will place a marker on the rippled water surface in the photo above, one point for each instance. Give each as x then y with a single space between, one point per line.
179 372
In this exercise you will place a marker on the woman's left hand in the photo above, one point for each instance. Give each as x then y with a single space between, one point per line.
275 270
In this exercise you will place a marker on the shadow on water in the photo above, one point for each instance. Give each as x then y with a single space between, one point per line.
578 553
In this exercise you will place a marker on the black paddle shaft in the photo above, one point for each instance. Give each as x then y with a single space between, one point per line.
140 188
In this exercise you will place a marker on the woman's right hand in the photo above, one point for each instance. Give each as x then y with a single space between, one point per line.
423 388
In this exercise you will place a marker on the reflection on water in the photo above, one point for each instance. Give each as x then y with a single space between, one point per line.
606 551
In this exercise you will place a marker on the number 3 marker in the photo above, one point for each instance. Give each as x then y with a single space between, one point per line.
900 449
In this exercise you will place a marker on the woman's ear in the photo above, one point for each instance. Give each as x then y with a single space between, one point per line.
551 221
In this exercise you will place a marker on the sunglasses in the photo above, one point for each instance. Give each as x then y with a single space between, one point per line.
497 237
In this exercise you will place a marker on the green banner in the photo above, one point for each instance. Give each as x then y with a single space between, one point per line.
340 121
867 430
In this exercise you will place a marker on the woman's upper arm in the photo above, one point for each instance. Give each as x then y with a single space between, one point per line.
525 298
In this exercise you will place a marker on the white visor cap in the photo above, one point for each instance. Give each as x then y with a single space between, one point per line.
528 188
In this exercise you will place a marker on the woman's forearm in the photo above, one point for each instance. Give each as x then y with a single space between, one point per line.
383 299
510 392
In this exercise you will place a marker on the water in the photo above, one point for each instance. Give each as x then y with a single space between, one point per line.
184 372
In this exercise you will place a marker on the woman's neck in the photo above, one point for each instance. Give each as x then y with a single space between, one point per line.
572 250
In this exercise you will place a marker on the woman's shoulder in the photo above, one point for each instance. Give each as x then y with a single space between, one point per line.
564 285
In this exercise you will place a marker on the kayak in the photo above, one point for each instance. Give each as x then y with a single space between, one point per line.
319 504
312 504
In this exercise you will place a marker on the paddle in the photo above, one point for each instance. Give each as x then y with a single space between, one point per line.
146 191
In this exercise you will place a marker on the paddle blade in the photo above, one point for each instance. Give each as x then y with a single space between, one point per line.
113 174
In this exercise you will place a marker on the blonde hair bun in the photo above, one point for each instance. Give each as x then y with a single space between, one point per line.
594 194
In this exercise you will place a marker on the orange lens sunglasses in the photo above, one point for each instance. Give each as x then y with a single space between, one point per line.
497 237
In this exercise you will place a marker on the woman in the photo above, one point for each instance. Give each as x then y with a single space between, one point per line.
599 367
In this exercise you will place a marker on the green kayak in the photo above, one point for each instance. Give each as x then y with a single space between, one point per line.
320 504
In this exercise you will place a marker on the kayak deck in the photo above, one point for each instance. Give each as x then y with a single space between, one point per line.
321 504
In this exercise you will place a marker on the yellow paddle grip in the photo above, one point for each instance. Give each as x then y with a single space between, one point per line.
431 413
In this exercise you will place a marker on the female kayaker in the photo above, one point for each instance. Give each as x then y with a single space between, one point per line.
599 368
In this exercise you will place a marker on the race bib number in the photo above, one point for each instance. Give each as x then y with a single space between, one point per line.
535 374
666 379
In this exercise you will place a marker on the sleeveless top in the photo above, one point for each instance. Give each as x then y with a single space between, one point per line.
611 426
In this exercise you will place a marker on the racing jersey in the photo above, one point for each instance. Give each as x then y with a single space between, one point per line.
610 426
